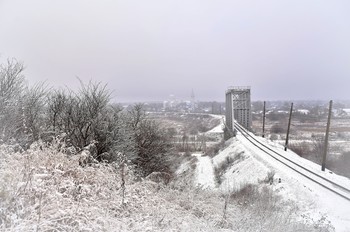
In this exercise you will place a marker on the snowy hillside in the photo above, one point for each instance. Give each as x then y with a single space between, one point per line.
44 189
241 164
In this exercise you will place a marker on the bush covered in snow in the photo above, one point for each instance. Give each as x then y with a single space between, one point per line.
43 189
80 118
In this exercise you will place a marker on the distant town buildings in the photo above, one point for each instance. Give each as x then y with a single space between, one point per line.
173 104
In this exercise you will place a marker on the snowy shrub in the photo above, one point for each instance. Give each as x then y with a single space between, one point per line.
57 103
87 117
81 118
303 149
11 90
151 143
222 167
312 151
263 210
340 164
214 149
274 137
32 118
43 189
21 107
270 177
79 115
277 129
159 177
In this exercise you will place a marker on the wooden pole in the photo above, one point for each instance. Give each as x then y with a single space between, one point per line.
326 138
264 111
290 119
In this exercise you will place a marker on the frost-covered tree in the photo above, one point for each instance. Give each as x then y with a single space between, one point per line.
11 82
32 113
21 107
82 117
78 114
87 116
151 142
57 101
11 91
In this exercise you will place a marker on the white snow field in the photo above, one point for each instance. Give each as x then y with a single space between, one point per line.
318 201
250 165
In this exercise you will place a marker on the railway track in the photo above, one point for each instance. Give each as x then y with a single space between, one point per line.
309 174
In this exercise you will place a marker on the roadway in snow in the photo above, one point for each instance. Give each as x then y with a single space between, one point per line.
204 175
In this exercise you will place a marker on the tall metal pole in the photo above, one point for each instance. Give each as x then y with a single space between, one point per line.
233 116
263 132
290 119
326 138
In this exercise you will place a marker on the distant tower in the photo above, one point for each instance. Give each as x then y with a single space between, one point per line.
193 101
238 107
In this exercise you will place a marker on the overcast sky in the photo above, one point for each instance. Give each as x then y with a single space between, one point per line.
149 49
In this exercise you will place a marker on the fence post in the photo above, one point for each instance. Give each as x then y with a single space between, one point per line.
290 119
326 138
264 111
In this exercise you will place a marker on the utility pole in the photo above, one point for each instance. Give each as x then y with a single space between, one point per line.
290 119
326 138
263 133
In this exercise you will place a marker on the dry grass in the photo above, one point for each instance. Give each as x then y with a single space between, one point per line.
221 169
263 210
43 189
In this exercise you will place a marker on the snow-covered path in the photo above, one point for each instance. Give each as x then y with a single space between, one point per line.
219 128
204 175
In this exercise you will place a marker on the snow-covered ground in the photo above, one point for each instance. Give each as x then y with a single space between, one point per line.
316 200
247 164
204 176
219 128
245 170
43 189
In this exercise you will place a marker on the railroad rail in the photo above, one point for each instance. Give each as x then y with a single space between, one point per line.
309 174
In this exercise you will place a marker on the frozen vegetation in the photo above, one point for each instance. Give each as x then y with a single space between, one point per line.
44 189
72 161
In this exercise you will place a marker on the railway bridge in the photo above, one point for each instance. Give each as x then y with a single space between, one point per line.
238 107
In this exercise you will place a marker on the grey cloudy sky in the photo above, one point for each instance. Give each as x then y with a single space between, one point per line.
146 50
